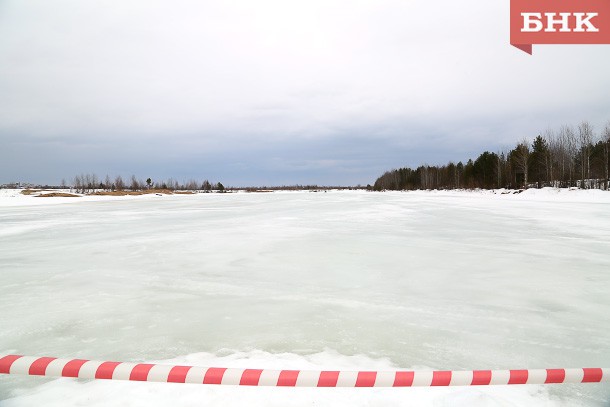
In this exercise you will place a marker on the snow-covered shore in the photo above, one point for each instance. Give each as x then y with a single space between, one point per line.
15 197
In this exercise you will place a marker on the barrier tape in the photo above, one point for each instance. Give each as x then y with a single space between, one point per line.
91 369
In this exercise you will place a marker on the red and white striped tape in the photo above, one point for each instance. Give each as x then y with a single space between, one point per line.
91 369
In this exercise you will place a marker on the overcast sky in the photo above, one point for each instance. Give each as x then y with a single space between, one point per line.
275 92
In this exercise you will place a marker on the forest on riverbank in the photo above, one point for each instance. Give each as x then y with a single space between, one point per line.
567 157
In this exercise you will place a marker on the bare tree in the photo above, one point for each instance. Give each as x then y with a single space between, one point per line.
87 183
191 185
135 185
172 184
78 183
500 155
585 139
94 182
561 152
568 142
606 151
119 184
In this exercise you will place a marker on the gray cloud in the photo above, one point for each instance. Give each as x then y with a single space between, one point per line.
272 91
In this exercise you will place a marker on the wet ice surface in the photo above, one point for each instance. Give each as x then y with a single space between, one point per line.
309 280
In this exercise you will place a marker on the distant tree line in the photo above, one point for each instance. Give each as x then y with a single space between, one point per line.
567 157
86 183
297 187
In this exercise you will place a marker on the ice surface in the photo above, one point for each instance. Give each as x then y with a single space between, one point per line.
443 280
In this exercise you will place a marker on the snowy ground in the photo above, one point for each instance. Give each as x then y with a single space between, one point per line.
356 280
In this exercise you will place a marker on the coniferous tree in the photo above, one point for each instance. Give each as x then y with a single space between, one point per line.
539 160
520 157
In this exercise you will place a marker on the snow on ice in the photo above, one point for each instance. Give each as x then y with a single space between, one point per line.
345 279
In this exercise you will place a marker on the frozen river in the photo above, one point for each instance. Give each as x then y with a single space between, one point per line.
308 280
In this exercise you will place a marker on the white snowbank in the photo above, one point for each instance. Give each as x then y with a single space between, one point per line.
14 197
532 194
